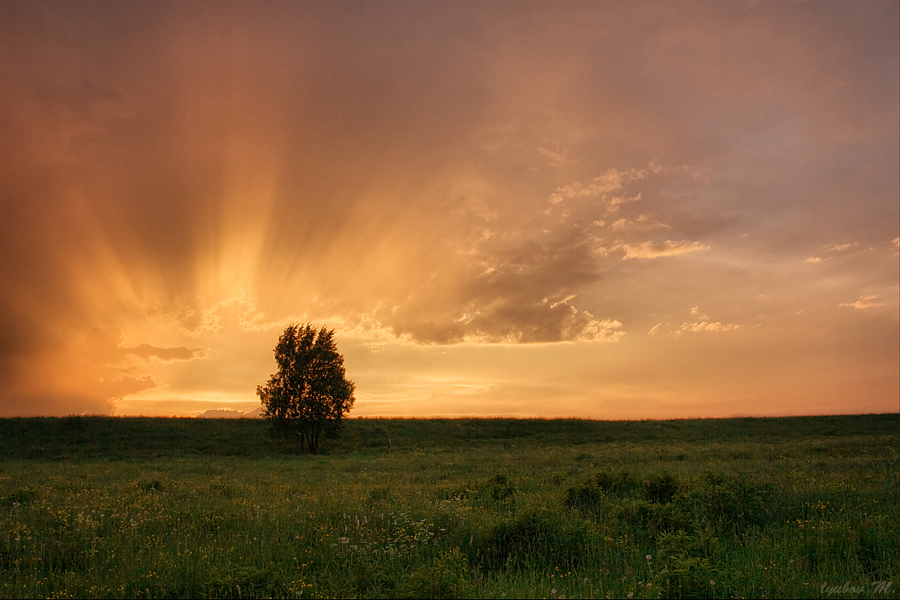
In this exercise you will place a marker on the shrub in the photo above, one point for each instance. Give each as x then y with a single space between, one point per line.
537 539
501 488
687 569
619 483
586 498
444 578
733 503
651 518
661 488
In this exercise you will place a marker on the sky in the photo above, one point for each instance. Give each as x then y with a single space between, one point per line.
608 210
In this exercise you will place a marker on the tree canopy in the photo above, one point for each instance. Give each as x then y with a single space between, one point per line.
309 394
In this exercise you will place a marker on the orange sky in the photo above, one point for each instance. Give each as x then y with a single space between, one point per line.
606 210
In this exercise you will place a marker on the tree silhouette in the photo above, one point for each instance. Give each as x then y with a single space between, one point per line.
309 394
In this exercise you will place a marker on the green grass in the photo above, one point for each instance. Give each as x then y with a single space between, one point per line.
121 507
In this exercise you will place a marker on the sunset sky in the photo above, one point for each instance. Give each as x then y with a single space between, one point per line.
613 210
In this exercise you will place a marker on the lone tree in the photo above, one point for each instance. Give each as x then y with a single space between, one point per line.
309 394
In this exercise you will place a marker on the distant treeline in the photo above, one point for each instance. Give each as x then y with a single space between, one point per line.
63 438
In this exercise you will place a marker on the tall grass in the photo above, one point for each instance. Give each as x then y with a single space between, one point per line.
470 508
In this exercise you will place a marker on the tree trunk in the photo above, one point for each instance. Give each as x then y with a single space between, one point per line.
314 439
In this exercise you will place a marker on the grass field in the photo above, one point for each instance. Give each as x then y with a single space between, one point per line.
804 507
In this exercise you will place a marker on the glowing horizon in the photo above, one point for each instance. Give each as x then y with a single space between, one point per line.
551 210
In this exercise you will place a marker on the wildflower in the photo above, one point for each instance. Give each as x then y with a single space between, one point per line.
649 557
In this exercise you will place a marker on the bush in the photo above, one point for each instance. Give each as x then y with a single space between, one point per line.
444 578
661 488
586 498
501 488
537 539
620 483
733 503
688 565
651 518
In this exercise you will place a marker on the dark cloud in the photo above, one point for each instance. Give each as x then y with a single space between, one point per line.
146 352
513 291
125 386
104 346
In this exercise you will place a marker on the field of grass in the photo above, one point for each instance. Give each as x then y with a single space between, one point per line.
804 507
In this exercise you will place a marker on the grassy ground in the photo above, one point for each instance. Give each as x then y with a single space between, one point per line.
792 507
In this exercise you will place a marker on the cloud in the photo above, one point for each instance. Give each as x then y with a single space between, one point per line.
104 346
615 203
657 250
521 293
187 314
610 181
864 302
842 247
555 158
125 386
193 318
703 323
146 352
695 311
834 250
699 326
641 223
229 413
525 282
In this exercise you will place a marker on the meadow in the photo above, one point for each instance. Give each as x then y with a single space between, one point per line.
802 507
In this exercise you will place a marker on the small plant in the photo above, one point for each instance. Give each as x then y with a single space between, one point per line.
444 578
586 498
501 488
21 496
620 483
733 503
661 488
688 569
650 518
536 538
237 581
150 486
